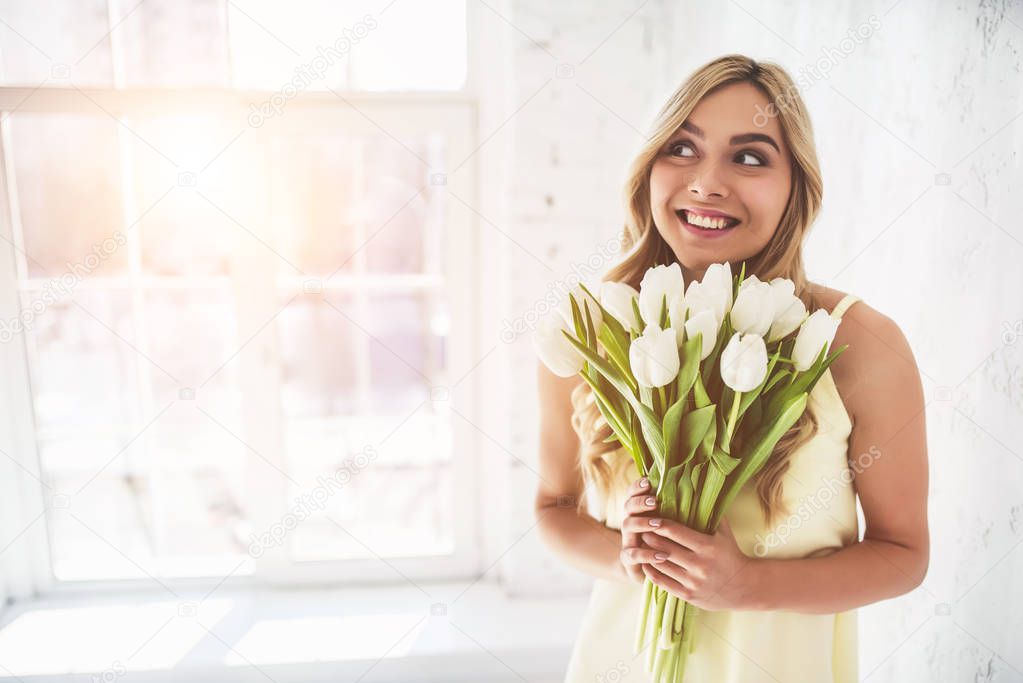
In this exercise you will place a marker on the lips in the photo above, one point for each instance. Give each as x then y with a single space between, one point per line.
709 213
709 233
702 222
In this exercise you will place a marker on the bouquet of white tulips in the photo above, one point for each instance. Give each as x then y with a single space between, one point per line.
698 387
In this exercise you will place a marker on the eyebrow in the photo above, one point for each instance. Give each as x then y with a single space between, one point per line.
736 139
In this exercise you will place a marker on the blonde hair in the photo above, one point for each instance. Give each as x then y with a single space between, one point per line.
781 257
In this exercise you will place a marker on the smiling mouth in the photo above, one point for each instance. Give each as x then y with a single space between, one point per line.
706 222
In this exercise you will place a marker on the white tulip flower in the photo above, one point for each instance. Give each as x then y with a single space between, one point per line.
653 357
744 362
713 293
753 311
816 332
556 352
617 298
704 322
789 309
659 282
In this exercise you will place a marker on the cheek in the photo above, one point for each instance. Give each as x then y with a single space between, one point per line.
766 200
660 184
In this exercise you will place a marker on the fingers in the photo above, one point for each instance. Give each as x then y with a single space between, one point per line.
637 525
641 485
640 503
663 580
689 563
681 534
639 555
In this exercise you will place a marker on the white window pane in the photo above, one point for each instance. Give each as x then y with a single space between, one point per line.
173 42
146 522
66 168
313 199
167 488
319 358
175 159
66 42
191 334
404 227
382 510
399 54
84 367
298 46
405 357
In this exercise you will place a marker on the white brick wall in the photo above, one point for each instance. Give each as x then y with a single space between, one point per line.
919 132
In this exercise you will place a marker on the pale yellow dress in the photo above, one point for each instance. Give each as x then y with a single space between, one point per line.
748 646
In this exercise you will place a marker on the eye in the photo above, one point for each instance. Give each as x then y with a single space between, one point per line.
759 159
677 145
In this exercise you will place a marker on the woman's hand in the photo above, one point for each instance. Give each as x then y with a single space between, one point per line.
634 551
707 570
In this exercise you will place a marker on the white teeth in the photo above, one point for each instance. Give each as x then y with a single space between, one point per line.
704 222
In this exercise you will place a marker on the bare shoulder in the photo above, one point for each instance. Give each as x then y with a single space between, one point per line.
878 359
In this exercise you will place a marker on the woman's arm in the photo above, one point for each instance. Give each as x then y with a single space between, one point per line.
580 540
887 404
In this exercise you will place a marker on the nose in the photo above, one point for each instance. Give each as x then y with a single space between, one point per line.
706 183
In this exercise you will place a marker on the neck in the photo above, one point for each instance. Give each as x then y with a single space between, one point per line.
690 274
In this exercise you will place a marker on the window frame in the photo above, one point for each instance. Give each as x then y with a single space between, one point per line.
405 114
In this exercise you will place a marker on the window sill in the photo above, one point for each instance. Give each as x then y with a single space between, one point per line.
442 632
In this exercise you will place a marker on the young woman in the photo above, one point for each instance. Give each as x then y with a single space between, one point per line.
779 581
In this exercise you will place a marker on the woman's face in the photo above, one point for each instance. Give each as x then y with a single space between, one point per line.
720 162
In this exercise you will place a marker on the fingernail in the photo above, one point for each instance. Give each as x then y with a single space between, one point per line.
644 482
655 522
660 557
650 502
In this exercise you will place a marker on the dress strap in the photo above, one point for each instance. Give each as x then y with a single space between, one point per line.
843 305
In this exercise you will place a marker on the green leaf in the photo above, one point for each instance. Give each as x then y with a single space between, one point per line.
690 366
577 318
670 429
708 495
591 334
774 380
650 425
707 445
617 355
668 493
694 428
700 393
614 420
685 495
724 462
762 445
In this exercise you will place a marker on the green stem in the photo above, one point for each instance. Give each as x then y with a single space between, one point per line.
644 617
732 418
661 596
668 621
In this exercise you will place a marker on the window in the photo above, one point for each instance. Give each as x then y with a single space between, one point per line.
240 285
